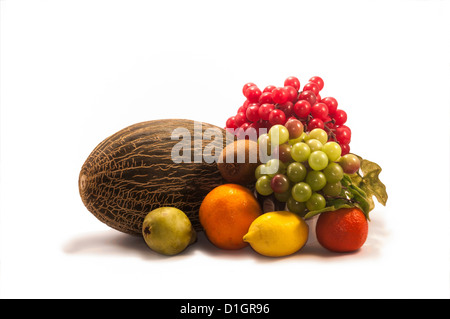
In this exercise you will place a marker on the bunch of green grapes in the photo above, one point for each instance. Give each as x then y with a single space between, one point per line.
302 169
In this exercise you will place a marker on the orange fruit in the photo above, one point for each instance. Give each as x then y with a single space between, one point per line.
342 230
226 214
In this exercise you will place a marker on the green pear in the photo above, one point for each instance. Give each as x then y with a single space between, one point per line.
168 231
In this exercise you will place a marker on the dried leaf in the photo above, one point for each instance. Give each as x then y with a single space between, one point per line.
370 181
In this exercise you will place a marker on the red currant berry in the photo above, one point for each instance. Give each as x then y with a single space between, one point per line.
241 131
318 98
264 124
308 96
280 95
269 88
346 127
253 93
302 108
266 97
311 86
331 103
245 126
319 110
253 129
277 117
246 86
264 111
240 119
343 135
252 113
293 93
318 80
231 123
315 123
293 82
340 117
345 149
287 108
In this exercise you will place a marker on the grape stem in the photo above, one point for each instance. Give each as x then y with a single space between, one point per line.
329 130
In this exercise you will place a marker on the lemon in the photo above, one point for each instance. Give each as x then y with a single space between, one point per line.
277 234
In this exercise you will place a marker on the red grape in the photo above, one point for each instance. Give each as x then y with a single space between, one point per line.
279 183
282 152
295 128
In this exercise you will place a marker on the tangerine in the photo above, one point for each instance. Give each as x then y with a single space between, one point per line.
226 214
342 230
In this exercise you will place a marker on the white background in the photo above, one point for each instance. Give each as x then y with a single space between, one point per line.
74 72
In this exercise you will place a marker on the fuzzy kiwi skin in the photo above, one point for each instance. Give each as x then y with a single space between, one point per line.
239 173
132 173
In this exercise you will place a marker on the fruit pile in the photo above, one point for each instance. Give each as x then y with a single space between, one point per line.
276 105
290 150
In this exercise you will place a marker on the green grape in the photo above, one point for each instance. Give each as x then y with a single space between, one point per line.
263 185
264 147
274 166
278 134
333 151
318 160
332 189
300 152
299 139
258 170
301 192
318 134
296 172
333 172
316 202
283 197
314 145
296 207
316 179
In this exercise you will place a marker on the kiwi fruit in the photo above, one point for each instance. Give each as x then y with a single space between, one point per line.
238 161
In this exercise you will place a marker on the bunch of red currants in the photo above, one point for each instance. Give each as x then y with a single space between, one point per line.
276 105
